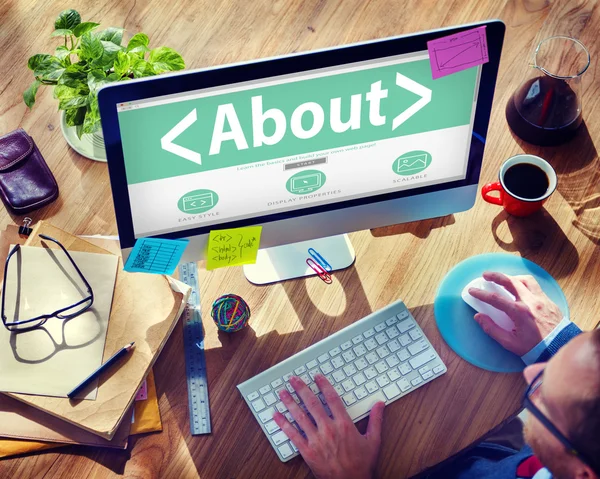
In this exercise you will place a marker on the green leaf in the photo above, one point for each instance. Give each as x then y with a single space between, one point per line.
109 56
74 76
139 42
112 77
67 19
61 53
112 34
95 80
141 68
50 69
29 94
121 64
36 59
79 130
92 124
61 32
75 102
165 59
84 27
75 116
64 92
91 47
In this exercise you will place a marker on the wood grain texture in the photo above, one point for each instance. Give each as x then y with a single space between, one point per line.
404 261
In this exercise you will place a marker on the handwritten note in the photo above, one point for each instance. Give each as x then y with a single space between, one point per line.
155 255
457 52
233 247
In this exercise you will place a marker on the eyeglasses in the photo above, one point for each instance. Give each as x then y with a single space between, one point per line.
67 312
540 416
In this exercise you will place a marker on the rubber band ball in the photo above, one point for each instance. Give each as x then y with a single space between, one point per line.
230 313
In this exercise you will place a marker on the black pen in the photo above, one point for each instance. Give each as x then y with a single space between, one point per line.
112 360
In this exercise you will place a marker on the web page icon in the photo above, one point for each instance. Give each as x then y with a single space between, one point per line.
199 202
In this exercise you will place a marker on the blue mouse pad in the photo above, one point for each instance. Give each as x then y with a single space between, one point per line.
455 320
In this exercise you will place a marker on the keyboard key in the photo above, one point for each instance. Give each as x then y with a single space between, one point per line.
330 379
370 372
403 355
381 367
394 345
416 381
383 381
295 398
258 405
371 387
279 438
339 389
392 333
372 358
383 352
393 374
306 379
360 350
350 370
361 364
349 356
393 320
361 393
300 370
253 396
278 382
348 385
368 333
405 325
286 451
402 315
392 360
314 388
326 367
266 415
289 417
281 407
381 338
346 345
337 362
361 407
358 339
265 389
424 369
416 334
289 387
417 347
427 375
322 358
272 427
438 369
405 369
422 358
404 385
404 339
335 352
278 390
312 373
270 399
349 399
380 327
391 391
286 377
339 376
370 344
311 364
359 379
293 446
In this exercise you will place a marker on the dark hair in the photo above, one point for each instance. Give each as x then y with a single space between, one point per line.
585 433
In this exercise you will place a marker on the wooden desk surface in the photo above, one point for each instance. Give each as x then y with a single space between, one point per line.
405 261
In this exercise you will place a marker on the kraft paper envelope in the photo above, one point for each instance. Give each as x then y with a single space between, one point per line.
54 358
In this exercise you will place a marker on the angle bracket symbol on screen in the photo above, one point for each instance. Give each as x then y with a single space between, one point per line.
306 183
412 163
198 202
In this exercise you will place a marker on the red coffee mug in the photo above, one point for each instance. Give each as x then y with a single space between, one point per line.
513 204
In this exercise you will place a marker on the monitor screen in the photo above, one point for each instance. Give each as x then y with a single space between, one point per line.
286 143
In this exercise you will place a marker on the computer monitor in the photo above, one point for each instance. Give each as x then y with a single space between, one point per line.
310 145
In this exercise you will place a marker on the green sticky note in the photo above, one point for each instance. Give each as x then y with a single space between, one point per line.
232 247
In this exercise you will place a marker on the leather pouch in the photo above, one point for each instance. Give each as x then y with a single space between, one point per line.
26 182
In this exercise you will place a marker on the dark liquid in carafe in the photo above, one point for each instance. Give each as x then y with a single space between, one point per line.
544 111
526 181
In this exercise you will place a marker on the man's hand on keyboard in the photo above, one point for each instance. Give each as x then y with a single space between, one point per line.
534 314
332 446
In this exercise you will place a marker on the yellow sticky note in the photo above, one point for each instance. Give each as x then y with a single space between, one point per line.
232 247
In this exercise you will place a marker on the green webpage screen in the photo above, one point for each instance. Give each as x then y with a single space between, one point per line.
280 144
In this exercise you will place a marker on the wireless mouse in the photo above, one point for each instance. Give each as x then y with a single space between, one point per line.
499 317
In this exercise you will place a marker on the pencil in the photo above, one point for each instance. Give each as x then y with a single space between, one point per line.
112 360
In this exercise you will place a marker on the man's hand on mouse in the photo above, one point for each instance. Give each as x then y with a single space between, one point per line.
332 447
534 314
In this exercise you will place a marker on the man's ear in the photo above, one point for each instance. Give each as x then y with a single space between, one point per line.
584 471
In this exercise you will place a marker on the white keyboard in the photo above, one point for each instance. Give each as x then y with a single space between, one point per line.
381 357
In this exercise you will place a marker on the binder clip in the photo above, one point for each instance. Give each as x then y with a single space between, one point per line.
25 230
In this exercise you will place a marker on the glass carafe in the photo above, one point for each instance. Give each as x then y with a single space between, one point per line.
546 109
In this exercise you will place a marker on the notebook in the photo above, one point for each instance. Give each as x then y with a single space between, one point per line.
145 309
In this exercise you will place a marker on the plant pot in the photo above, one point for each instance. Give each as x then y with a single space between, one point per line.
89 145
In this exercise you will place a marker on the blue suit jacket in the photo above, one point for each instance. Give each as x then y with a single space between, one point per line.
492 461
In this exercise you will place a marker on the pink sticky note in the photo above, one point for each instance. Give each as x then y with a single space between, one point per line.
142 394
457 52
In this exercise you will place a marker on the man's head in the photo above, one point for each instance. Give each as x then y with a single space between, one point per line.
569 397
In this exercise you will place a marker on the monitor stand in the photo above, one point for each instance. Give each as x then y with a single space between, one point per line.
289 261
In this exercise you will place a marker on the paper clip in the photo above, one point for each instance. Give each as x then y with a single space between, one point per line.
321 273
25 230
319 259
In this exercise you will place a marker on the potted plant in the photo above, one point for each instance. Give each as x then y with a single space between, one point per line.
86 60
